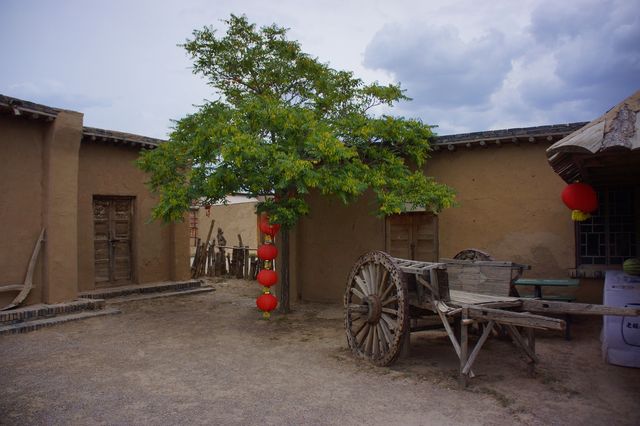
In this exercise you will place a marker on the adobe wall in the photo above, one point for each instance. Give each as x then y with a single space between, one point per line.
109 170
234 219
21 200
38 177
328 241
60 207
509 205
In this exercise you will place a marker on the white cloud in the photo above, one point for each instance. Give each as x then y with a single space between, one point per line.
571 61
437 67
469 65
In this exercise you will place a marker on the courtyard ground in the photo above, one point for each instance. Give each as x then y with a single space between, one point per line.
210 359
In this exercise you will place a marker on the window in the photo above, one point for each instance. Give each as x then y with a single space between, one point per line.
611 235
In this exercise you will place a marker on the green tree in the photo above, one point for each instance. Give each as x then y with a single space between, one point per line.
284 124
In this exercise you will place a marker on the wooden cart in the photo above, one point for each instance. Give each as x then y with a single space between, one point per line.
387 298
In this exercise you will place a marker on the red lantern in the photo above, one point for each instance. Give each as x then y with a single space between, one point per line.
267 277
266 227
267 303
267 252
582 199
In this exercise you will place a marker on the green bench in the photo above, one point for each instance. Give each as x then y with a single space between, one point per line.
538 285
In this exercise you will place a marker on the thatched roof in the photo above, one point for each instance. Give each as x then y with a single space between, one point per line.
616 131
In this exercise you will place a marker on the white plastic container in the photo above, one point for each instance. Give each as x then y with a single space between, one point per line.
621 335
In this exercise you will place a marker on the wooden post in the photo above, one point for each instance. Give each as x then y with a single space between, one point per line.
239 262
245 256
531 341
253 268
194 265
241 266
464 346
219 269
210 231
201 260
234 261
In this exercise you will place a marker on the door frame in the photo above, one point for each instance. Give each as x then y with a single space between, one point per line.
132 240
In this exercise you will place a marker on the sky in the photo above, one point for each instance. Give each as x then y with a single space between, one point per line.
467 65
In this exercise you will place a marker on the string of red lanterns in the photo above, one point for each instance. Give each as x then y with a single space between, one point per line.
267 277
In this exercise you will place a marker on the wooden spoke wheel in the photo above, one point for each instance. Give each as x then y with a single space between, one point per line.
376 308
473 254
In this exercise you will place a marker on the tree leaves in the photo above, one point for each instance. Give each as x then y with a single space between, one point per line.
285 124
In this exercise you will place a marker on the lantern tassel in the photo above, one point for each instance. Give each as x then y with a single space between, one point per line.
579 216
266 315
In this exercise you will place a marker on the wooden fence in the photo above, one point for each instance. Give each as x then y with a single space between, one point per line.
216 258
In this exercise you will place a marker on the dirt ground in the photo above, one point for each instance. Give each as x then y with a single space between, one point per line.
210 359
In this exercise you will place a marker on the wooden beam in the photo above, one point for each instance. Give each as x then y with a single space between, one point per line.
520 342
552 307
476 349
521 319
464 345
11 287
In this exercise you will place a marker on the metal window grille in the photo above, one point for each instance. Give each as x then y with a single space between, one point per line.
609 236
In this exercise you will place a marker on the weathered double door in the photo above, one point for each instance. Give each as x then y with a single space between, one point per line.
413 236
112 224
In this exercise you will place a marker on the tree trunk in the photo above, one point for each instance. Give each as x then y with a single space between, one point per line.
283 288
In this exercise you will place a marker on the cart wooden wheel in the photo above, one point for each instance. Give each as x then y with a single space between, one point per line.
473 254
376 308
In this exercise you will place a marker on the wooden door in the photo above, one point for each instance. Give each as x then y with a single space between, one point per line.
413 236
112 217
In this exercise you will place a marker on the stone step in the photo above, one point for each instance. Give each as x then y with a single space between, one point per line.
112 292
134 297
26 326
40 311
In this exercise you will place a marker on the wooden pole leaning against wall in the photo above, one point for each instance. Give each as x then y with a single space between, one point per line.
195 259
209 263
240 256
198 268
209 247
